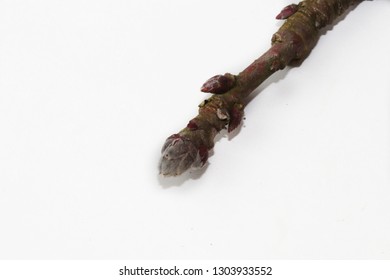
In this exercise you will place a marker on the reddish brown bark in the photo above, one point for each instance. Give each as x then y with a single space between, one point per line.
290 44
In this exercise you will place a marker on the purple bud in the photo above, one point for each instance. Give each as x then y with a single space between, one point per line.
204 154
178 155
192 125
236 115
287 11
219 84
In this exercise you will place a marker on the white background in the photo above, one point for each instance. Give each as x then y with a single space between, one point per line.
89 90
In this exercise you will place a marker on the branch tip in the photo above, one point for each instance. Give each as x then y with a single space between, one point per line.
292 42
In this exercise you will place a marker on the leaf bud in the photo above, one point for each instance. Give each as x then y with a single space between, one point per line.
287 11
219 84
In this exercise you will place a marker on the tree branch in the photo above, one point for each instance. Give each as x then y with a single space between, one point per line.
291 44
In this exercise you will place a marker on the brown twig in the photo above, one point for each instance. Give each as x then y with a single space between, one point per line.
292 43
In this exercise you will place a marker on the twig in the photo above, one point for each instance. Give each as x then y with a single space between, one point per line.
291 44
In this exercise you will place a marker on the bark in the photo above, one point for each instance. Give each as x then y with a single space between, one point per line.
291 44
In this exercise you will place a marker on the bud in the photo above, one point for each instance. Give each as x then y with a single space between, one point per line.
192 125
203 155
236 115
219 84
287 11
178 155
